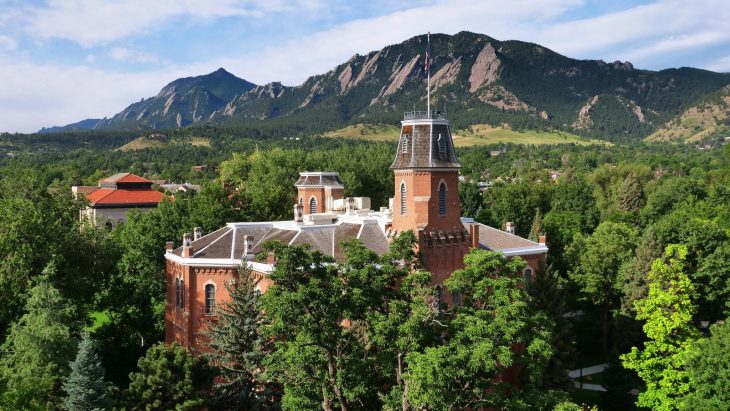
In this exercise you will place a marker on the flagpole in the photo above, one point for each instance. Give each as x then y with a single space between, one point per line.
428 74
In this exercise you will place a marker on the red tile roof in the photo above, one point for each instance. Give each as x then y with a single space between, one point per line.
109 196
124 178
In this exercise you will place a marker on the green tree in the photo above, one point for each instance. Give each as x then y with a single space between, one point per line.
494 331
237 348
408 321
38 349
536 230
636 270
631 194
319 361
85 387
169 378
668 311
547 293
470 197
597 270
708 366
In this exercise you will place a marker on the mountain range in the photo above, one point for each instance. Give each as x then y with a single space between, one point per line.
475 78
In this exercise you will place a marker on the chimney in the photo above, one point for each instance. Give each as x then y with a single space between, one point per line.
509 227
541 240
298 213
474 234
248 247
187 245
197 233
350 206
169 246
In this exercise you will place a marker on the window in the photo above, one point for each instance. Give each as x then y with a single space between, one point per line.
404 148
440 295
403 198
301 201
528 275
442 198
209 299
313 206
456 298
182 293
177 292
442 147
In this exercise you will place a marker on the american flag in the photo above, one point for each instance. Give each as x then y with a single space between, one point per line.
427 63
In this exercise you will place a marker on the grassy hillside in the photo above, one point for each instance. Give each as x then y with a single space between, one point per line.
708 119
144 142
476 135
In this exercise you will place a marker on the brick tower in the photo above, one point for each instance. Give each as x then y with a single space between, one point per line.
426 196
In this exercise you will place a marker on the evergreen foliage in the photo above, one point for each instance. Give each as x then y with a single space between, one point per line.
548 295
38 349
169 378
536 230
85 387
237 349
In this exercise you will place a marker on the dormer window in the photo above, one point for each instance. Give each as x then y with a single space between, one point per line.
404 145
442 146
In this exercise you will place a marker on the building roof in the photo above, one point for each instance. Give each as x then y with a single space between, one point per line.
224 247
428 144
123 178
319 179
508 244
118 196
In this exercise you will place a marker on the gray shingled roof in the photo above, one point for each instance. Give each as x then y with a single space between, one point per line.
421 138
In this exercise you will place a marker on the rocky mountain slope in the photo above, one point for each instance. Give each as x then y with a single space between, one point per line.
476 78
708 119
183 102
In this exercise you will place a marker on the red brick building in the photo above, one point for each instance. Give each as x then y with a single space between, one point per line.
426 200
115 195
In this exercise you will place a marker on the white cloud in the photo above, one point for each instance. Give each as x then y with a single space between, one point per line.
43 94
722 65
131 56
98 22
34 95
8 43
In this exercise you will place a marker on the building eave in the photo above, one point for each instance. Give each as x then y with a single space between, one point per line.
219 262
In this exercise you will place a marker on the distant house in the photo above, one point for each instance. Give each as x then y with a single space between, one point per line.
199 168
115 195
180 188
555 175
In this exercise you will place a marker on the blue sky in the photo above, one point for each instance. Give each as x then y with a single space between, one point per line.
65 60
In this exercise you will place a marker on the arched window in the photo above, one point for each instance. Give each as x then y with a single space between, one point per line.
182 293
313 206
209 299
177 292
528 275
442 198
440 295
403 198
442 147
456 298
404 148
301 201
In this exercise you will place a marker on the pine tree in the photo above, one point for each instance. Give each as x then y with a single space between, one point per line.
537 229
631 194
237 348
548 295
85 387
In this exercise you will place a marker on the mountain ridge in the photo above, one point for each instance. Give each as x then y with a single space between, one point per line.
478 78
